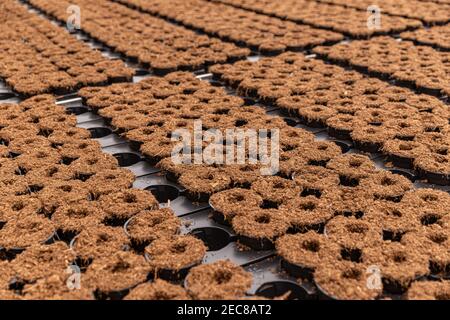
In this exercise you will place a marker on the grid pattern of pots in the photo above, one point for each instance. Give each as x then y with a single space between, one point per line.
330 191
349 21
410 129
268 35
139 111
69 202
438 1
420 67
438 36
54 178
330 224
428 12
157 44
39 57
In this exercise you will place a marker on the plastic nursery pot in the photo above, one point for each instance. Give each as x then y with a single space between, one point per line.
257 244
64 91
125 227
218 216
291 122
197 197
170 275
77 110
138 247
440 275
323 295
215 83
118 79
135 145
164 192
429 91
393 287
66 236
141 72
368 146
401 162
297 271
127 159
81 263
312 123
10 253
339 133
112 295
214 238
161 71
434 178
170 258
276 289
99 132
271 52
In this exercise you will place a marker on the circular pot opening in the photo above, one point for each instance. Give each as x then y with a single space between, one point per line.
278 288
290 122
163 193
214 238
99 132
127 159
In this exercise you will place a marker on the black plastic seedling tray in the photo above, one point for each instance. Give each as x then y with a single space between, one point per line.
102 132
170 193
383 76
74 106
270 278
269 273
130 159
220 239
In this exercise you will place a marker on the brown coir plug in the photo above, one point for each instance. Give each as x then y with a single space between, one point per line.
221 280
